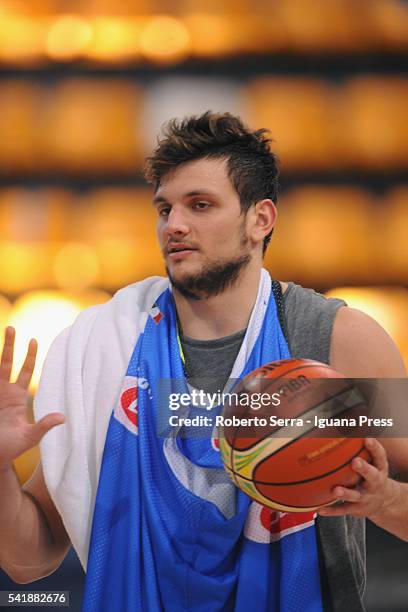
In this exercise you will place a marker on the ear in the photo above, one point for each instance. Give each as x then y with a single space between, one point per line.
263 220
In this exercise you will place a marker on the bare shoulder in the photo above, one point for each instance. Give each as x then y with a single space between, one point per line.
361 348
37 489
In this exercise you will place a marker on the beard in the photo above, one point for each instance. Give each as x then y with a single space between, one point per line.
212 280
214 277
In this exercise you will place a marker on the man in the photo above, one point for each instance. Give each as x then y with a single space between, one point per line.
155 521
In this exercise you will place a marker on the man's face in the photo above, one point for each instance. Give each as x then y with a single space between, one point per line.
201 229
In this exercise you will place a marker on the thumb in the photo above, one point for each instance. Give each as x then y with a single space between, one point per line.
48 422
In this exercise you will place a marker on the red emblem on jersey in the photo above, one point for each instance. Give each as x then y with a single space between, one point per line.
128 401
281 523
126 407
265 525
156 313
215 443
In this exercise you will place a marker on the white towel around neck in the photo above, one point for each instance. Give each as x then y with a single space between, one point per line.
82 378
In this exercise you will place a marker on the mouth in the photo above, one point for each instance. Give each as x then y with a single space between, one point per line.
179 251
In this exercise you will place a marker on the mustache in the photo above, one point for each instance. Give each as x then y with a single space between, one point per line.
176 244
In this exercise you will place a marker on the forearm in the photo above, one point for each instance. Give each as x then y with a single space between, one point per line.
27 548
393 517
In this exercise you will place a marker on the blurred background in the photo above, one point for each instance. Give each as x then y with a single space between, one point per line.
85 86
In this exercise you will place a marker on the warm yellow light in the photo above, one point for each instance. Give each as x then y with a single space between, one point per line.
388 306
91 297
68 36
26 463
41 315
165 40
115 38
5 311
21 37
24 265
8 7
212 34
76 266
119 262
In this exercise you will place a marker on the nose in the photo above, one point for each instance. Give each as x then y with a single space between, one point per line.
176 223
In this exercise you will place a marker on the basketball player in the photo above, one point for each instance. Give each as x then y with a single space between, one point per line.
155 521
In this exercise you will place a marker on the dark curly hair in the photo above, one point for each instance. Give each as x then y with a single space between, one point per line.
252 167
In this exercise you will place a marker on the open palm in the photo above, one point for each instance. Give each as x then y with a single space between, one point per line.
17 434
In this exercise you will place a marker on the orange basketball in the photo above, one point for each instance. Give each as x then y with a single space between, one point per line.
299 447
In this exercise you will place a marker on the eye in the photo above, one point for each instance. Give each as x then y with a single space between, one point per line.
201 205
164 211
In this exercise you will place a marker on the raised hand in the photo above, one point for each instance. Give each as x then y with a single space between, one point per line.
17 434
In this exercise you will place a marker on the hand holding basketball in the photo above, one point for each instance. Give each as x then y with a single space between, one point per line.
292 464
373 494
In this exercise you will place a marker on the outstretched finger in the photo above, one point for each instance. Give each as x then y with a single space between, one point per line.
27 369
6 361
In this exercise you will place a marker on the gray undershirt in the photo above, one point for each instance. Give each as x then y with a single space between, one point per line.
208 363
309 321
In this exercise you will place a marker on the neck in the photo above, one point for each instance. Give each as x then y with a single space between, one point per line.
219 315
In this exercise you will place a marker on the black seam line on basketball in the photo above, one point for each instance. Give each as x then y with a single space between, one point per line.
274 379
297 482
287 506
281 448
258 440
311 428
300 367
231 451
